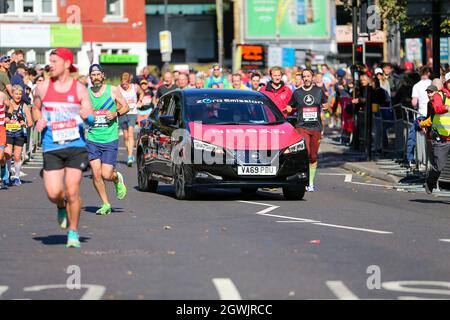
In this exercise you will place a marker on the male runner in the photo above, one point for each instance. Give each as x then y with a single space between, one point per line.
61 105
309 101
127 122
103 137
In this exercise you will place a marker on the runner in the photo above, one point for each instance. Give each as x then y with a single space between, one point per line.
309 101
61 105
19 116
4 103
147 103
128 121
103 137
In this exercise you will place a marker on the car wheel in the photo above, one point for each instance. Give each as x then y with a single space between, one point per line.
249 190
294 193
144 183
183 177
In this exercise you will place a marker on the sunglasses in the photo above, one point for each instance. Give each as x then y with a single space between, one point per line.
216 69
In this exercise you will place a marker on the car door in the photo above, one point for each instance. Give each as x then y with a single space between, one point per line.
158 137
166 139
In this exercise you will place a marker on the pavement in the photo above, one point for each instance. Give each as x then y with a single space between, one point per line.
388 169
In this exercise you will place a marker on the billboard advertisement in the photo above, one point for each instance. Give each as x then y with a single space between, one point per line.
287 19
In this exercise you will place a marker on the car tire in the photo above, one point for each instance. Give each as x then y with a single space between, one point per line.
249 190
144 183
184 175
294 193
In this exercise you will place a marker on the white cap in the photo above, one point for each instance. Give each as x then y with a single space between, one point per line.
378 70
447 76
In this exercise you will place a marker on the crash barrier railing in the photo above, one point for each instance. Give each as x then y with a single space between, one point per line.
410 117
390 131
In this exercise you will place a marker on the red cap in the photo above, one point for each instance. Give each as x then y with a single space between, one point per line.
67 55
409 66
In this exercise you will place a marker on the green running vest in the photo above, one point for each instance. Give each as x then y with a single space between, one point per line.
103 130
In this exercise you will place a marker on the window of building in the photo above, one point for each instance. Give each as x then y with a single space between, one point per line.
28 6
114 8
33 8
12 6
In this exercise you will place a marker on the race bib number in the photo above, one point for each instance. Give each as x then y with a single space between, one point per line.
13 126
101 120
310 114
147 100
65 131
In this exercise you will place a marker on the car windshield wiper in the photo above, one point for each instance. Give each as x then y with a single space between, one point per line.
230 123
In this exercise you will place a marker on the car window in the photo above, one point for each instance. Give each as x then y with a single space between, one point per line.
164 105
232 109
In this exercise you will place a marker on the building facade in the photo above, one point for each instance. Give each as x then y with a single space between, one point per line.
112 32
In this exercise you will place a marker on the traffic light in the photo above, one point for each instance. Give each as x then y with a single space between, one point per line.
359 54
4 6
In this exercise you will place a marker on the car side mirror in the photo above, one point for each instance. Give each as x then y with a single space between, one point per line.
167 120
292 120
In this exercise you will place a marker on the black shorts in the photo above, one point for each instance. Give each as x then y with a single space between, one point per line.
75 158
17 140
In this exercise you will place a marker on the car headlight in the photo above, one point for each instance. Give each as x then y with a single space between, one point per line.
203 146
299 146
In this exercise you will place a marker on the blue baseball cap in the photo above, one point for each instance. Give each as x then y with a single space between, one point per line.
95 67
5 58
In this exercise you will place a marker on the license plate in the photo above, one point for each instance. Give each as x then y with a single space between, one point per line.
257 171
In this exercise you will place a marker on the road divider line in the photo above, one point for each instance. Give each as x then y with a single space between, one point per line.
352 228
444 240
341 291
226 289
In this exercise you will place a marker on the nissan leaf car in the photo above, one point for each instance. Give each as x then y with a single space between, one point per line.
220 138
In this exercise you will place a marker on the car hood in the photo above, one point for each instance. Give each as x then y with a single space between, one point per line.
246 137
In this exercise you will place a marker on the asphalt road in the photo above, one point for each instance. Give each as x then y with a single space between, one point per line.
356 238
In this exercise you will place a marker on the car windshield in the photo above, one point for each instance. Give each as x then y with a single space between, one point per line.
232 110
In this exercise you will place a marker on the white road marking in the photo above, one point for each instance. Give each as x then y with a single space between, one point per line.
226 289
444 240
352 228
3 289
341 291
349 179
93 292
303 220
271 207
406 286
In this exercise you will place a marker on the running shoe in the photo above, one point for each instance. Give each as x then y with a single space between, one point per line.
121 189
16 182
73 240
130 161
62 218
3 186
104 210
428 188
311 189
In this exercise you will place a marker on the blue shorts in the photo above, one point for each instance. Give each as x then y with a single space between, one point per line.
106 152
127 120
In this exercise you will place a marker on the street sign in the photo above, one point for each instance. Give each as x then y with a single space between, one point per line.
165 42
